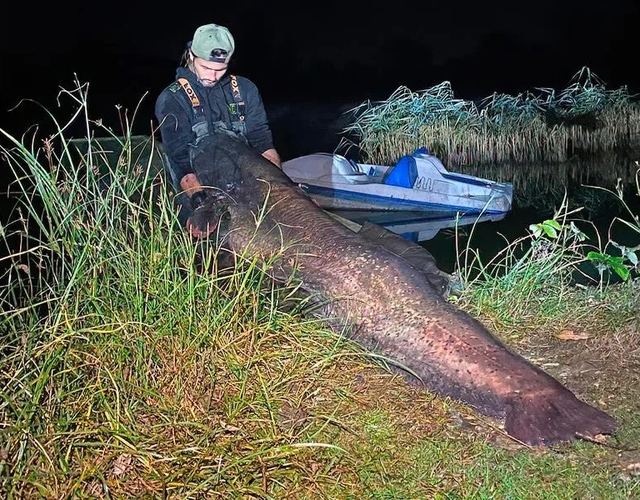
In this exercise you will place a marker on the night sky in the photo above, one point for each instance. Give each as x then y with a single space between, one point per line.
319 53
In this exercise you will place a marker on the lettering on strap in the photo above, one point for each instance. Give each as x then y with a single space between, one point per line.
238 109
195 102
200 126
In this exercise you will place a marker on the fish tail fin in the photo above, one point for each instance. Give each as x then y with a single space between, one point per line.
555 417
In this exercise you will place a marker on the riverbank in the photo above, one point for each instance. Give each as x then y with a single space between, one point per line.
131 367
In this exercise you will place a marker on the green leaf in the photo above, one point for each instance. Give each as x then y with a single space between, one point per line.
610 262
549 227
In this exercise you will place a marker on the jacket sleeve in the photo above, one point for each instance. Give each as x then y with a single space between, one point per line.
175 131
258 130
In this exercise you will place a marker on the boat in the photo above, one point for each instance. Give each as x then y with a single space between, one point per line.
417 182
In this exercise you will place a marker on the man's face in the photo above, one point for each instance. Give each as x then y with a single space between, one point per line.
208 73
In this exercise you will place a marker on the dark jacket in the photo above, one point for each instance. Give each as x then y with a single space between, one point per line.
176 116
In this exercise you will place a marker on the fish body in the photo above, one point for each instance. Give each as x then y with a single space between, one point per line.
385 302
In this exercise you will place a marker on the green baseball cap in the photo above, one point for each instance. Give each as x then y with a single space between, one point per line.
213 43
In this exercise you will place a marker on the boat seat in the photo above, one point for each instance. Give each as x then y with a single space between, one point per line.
349 170
342 166
402 174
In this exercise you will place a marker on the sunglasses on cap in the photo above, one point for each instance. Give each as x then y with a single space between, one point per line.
219 53
216 55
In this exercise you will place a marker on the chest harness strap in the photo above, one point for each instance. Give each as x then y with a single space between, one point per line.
200 126
236 108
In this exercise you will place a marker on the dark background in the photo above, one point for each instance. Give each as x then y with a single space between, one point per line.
310 60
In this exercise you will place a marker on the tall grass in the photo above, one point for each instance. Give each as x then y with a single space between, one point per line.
129 364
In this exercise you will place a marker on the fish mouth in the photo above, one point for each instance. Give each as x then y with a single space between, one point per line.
213 214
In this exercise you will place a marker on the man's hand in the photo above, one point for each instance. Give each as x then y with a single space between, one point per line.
190 184
273 156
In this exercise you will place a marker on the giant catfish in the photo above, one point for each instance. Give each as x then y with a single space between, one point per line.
383 301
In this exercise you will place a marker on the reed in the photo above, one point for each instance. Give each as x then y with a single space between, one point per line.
541 126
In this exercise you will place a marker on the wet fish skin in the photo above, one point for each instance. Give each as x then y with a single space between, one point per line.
387 304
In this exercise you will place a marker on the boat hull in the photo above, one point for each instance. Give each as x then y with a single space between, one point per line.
381 199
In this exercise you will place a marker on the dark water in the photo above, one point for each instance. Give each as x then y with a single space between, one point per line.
446 238
489 238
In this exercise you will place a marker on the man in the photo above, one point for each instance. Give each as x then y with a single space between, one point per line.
204 99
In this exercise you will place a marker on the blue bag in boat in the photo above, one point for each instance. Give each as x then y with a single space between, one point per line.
403 174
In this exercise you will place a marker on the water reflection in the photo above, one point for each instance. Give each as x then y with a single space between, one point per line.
415 226
543 185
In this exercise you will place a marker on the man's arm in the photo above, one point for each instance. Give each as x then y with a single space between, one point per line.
258 130
176 133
